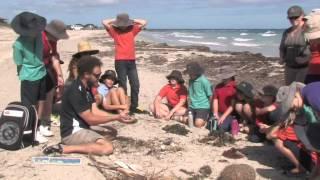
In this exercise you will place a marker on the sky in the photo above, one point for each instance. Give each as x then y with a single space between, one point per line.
166 14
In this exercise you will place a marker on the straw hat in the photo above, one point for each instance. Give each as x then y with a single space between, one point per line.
84 48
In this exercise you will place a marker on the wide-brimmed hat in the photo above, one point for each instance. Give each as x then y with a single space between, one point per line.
84 47
28 24
122 20
295 11
57 29
226 73
246 89
268 90
285 96
177 75
313 25
109 74
194 68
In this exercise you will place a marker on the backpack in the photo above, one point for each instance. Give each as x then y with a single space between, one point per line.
18 125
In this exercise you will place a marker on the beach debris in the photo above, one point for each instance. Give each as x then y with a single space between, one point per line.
158 60
2 176
204 172
238 171
176 129
233 154
223 161
48 160
218 138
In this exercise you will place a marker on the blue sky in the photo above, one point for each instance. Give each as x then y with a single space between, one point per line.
166 13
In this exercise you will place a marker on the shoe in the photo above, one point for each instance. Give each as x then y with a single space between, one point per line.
54 149
255 138
40 138
45 131
139 111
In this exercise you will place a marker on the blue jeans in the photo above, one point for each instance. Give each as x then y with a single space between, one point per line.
226 125
128 68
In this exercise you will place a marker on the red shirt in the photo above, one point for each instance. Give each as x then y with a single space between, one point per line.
314 66
225 94
173 95
124 43
49 49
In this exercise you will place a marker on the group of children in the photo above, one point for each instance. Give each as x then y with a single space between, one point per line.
288 114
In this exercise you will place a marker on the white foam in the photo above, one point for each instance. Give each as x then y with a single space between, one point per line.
269 34
245 44
243 34
203 43
222 38
185 35
242 39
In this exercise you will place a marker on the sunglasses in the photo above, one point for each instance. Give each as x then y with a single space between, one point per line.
293 18
96 75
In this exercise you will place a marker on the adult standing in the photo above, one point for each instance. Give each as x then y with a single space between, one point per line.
123 30
294 49
312 33
54 31
28 56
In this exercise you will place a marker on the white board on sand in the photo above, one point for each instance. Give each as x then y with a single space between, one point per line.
68 161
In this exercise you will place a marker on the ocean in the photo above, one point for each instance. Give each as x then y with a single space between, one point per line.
264 41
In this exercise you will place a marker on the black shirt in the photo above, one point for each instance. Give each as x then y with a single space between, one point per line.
76 99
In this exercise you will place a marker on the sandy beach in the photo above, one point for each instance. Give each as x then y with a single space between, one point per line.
145 145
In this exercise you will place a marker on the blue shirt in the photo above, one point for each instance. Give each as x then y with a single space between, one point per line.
103 90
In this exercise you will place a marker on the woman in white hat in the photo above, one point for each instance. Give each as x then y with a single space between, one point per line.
312 33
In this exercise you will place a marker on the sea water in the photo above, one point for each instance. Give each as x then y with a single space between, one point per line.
264 41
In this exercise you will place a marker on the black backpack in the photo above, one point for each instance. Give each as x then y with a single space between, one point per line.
18 125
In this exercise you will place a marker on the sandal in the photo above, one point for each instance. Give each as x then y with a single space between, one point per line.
54 149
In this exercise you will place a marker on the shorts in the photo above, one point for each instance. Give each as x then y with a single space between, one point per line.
33 91
287 133
51 81
200 114
83 136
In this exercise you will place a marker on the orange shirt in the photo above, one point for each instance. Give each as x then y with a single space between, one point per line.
174 95
314 66
124 42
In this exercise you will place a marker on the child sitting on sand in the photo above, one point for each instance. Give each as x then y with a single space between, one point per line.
113 99
176 94
224 93
243 105
200 94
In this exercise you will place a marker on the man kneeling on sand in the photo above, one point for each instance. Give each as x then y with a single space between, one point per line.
77 115
176 94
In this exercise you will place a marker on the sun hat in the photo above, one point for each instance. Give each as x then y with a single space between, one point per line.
295 11
123 20
28 24
313 25
285 96
84 47
57 29
226 73
246 89
194 68
177 75
109 74
268 90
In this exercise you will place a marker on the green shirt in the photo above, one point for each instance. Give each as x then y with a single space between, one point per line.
308 113
200 91
27 53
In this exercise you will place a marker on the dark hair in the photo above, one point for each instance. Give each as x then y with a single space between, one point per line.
87 63
127 29
72 63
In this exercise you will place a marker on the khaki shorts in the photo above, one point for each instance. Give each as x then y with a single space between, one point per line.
84 136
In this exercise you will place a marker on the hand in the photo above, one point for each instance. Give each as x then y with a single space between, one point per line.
59 93
220 120
168 117
216 115
125 118
157 114
60 81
